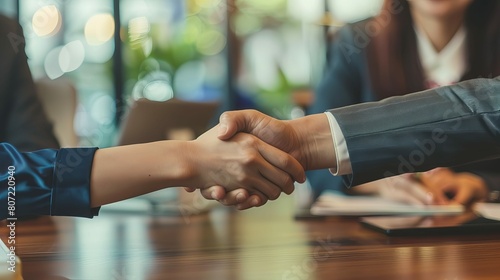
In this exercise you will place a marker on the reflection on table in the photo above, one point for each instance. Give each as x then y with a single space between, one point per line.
263 243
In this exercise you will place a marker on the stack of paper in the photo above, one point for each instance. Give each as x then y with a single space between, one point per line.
337 204
488 210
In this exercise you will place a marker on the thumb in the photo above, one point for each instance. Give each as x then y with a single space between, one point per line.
233 122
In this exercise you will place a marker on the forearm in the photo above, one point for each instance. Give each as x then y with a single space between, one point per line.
47 182
442 127
123 172
242 162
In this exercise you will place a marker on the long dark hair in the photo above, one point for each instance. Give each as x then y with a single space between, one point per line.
393 60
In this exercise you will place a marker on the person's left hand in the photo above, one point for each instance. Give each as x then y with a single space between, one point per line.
402 188
456 187
239 198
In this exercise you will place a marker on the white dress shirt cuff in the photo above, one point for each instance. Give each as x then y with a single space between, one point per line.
341 152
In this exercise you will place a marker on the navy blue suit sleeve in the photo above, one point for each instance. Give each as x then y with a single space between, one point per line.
46 182
445 127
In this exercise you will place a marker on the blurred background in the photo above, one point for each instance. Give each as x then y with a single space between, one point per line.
257 54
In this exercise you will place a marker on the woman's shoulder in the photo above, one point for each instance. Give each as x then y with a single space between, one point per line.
351 41
350 32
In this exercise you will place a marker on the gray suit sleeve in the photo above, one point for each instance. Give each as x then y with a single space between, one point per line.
444 127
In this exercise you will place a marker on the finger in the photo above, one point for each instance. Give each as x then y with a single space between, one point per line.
403 188
235 197
235 121
286 163
259 184
402 191
255 200
420 193
443 192
463 195
278 178
464 198
437 176
189 189
439 197
213 193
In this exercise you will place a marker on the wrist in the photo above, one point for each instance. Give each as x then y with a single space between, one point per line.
316 144
178 163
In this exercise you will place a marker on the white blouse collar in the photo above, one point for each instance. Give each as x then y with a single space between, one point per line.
447 66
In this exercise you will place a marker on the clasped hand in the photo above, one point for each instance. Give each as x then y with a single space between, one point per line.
242 162
285 145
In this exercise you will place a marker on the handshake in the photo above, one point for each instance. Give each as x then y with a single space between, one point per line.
250 158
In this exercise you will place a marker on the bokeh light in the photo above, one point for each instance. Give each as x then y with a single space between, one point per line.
102 109
207 3
99 29
262 6
245 24
71 56
189 79
310 11
99 54
155 86
194 27
354 10
264 53
64 59
211 42
138 31
51 64
46 21
158 90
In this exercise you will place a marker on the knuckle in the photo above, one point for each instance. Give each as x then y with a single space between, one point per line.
250 157
250 141
285 161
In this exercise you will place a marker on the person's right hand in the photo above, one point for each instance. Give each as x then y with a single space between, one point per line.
242 162
278 133
455 187
308 139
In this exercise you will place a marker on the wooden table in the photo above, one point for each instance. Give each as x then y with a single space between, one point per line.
264 243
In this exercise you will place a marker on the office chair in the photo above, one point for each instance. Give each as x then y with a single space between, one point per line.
59 100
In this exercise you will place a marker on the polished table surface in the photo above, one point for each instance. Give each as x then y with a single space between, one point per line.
263 243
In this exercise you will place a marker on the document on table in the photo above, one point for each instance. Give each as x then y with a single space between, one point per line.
333 204
488 210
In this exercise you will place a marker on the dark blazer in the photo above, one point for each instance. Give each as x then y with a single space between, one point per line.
447 126
22 120
346 81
